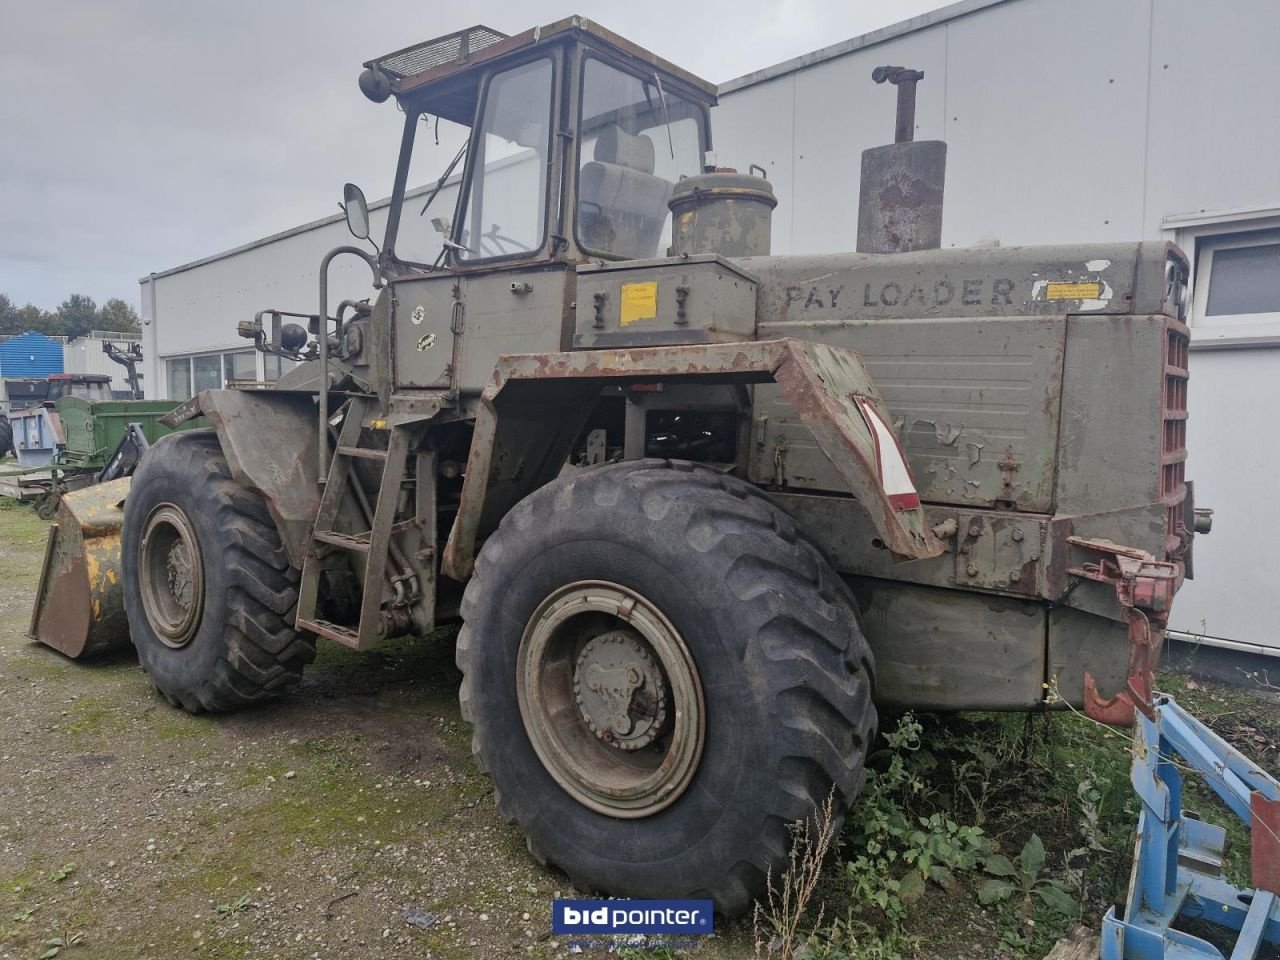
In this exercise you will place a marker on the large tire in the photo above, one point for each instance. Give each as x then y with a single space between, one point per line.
786 675
230 639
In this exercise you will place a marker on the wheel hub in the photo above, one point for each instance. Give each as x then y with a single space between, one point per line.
179 565
172 575
620 690
611 699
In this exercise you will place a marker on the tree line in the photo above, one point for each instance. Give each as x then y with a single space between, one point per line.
74 317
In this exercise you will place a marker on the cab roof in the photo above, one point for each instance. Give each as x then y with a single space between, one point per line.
413 69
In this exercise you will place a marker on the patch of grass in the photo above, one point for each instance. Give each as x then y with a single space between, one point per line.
95 715
1004 829
949 799
36 662
23 907
170 724
318 795
1247 717
23 534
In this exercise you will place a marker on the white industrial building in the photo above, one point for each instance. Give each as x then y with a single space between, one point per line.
1067 121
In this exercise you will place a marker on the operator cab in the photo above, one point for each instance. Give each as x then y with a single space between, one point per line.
577 140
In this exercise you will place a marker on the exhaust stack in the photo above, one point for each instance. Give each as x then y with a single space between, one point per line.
900 203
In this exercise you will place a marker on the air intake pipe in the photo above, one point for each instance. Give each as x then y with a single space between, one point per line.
900 203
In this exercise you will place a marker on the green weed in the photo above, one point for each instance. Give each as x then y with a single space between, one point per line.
1020 880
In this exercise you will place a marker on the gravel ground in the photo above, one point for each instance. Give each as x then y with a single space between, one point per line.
303 829
310 827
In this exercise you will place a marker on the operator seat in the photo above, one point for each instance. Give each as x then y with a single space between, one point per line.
622 206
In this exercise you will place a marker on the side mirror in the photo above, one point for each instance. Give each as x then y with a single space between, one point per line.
357 210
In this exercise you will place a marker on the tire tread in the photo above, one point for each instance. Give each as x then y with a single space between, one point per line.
809 638
263 653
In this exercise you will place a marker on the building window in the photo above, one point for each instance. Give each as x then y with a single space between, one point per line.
208 372
187 376
275 367
242 365
1237 298
179 378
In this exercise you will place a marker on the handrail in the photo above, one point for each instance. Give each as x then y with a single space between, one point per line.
322 328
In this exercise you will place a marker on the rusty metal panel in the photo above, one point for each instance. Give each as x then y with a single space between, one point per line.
986 552
951 650
1079 642
825 392
441 69
696 299
79 608
996 550
828 388
522 438
1112 424
900 203
1264 841
270 443
975 403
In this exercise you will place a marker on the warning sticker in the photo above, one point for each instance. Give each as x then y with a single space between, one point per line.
1074 290
639 302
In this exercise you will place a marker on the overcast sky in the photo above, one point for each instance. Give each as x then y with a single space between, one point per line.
137 135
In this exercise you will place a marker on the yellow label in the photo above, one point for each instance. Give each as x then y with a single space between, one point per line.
639 302
1074 290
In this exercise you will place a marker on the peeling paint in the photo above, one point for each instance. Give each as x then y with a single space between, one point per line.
1102 302
947 434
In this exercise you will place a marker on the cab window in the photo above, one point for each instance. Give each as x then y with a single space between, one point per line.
506 205
636 139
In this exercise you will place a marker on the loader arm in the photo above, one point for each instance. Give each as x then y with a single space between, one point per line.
535 406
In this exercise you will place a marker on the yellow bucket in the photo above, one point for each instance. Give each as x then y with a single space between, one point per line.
79 606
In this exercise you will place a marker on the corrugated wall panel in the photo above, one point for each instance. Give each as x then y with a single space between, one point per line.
30 355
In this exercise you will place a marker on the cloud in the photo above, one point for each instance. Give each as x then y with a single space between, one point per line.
142 134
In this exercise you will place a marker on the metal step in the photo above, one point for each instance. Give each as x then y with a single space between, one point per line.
366 453
344 635
359 542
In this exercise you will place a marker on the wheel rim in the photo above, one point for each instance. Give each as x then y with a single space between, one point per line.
172 581
611 699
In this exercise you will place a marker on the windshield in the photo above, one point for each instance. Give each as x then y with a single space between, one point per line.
636 140
505 212
431 189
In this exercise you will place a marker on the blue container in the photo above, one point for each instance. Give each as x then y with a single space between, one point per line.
30 356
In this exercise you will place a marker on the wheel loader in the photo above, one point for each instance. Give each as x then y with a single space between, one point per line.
701 510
